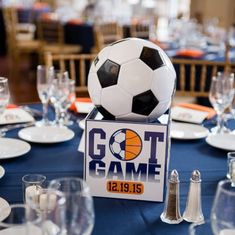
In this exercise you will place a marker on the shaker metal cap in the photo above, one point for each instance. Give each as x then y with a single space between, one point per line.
196 176
174 177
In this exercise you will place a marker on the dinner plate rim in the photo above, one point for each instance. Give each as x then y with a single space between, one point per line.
27 147
226 148
7 205
190 137
2 171
71 134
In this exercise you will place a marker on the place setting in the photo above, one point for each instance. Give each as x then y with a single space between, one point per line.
222 97
187 122
10 147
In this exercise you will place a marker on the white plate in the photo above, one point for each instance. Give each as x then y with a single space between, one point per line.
46 134
4 204
187 131
13 148
2 172
222 141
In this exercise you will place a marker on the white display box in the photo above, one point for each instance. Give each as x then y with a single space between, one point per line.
127 160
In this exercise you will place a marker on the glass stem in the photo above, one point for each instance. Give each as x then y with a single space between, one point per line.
57 115
220 122
45 112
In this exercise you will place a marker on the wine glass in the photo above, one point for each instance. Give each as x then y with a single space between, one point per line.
21 219
59 92
79 212
44 81
223 209
220 96
4 97
65 116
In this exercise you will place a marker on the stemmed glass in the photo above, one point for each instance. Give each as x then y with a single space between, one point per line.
65 116
79 211
4 97
44 81
59 92
223 209
220 96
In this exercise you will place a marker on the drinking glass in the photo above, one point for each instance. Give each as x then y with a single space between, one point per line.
220 96
31 184
79 212
202 228
230 160
223 209
65 116
44 81
4 97
21 220
59 92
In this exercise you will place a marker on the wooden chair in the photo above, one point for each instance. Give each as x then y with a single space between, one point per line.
51 34
17 45
76 64
194 76
139 31
105 34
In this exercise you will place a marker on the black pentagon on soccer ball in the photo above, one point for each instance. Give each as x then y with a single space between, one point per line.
151 57
144 103
105 113
108 73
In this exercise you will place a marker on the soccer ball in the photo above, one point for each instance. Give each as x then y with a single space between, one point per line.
132 79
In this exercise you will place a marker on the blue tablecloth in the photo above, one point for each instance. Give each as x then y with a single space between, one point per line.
114 216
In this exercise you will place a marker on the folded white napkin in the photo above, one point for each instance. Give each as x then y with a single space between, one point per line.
188 115
15 115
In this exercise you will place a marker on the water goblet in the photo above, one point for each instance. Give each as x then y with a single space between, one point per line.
79 212
59 92
65 116
4 97
21 220
44 81
220 96
223 209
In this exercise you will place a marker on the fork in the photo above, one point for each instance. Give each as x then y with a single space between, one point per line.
12 127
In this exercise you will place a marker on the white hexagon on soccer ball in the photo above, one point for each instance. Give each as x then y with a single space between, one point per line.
120 137
100 59
116 147
94 88
135 77
163 83
125 50
160 109
116 100
132 116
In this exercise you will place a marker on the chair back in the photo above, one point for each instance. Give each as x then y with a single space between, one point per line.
11 21
139 31
76 64
50 31
194 76
107 33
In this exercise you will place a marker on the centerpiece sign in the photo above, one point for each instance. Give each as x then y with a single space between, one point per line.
126 159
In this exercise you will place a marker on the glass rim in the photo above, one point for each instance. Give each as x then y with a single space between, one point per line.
22 206
231 154
33 181
67 179
221 188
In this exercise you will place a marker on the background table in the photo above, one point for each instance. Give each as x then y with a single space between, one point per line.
116 216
